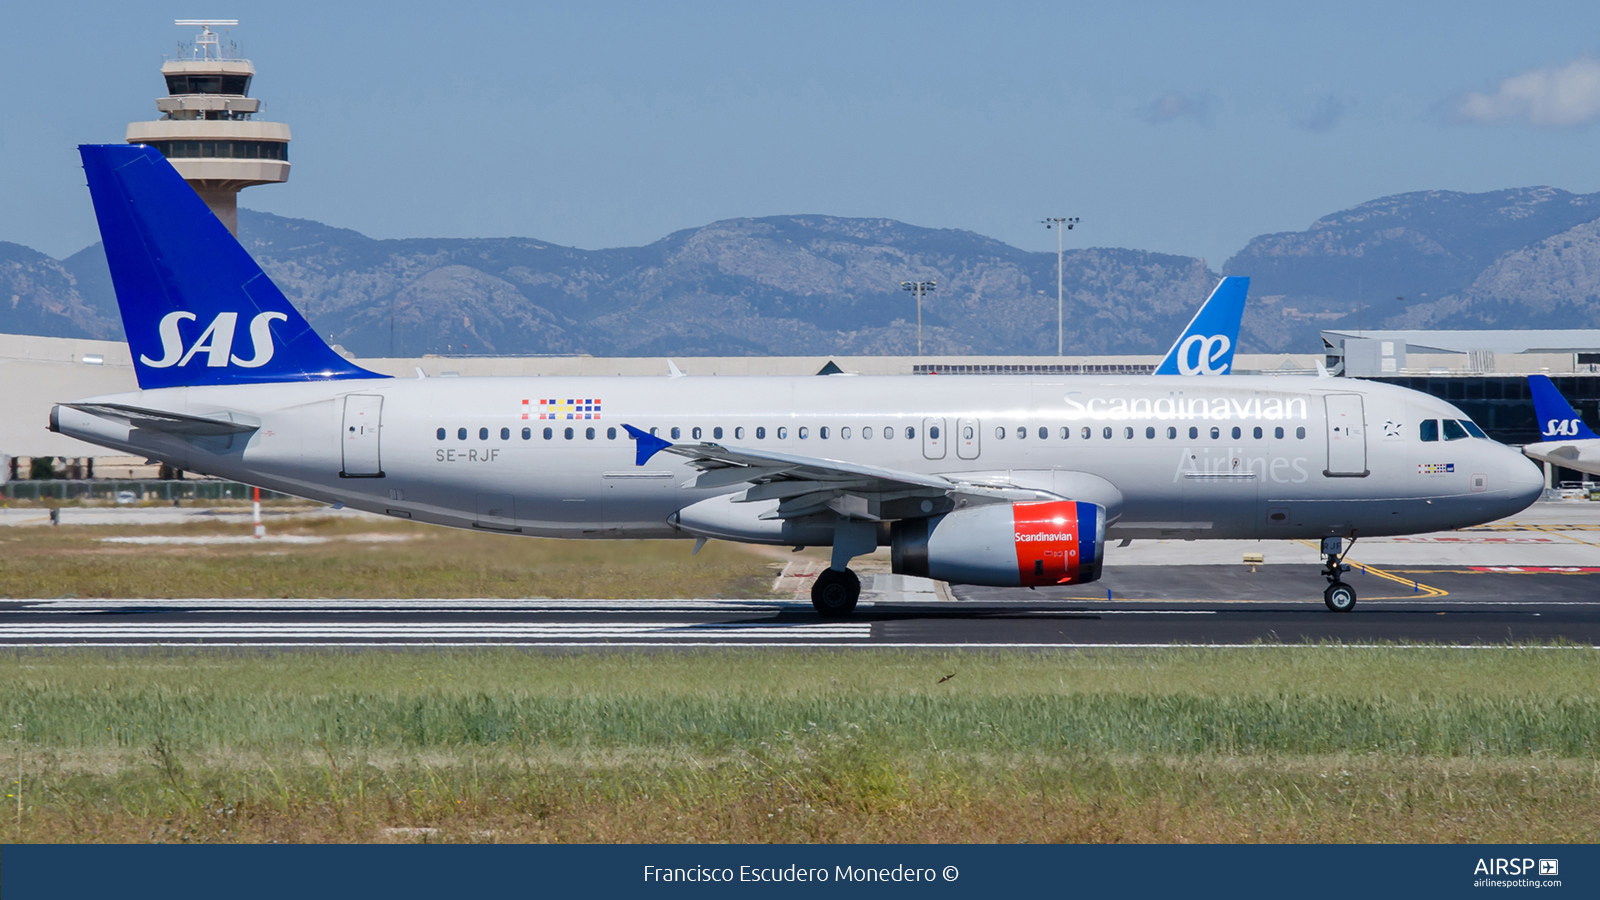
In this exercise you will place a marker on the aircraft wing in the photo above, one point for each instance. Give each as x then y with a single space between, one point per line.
807 484
169 422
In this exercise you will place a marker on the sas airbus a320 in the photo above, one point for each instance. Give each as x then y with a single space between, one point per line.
986 480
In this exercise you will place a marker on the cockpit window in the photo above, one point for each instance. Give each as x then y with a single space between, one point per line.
1430 429
1472 428
1453 430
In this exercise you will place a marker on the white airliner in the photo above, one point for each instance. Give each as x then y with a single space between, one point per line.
989 480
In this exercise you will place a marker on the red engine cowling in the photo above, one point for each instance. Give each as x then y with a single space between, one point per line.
1004 545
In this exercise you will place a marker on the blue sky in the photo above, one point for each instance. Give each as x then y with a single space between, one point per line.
1183 128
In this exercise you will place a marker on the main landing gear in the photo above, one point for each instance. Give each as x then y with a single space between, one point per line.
1340 597
835 592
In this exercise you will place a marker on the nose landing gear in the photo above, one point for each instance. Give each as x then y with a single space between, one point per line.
1339 597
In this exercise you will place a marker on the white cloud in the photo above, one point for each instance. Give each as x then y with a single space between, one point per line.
1324 116
1174 105
1551 97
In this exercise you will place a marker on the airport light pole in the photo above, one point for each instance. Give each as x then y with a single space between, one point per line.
1060 224
919 288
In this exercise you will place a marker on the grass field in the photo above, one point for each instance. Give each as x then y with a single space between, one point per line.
1276 744
363 557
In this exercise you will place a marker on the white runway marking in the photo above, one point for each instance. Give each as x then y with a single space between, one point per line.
430 632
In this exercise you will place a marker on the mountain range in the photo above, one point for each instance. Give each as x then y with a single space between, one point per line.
815 285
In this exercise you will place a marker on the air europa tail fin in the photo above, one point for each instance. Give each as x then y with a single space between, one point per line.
1207 344
1557 419
196 307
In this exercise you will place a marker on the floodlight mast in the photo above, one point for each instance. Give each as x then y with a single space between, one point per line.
919 288
1060 224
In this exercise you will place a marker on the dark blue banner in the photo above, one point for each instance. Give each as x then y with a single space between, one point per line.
255 871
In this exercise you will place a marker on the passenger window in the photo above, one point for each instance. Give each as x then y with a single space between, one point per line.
887 432
568 434
1257 432
505 434
1149 433
1127 433
461 434
1193 432
803 432
1066 433
441 434
1453 430
761 432
1172 433
1085 432
1300 433
1022 432
911 433
676 433
844 433
588 434
783 434
1278 432
548 434
1043 432
1237 433
716 433
611 434
1215 432
1430 430
527 434
823 432
1000 432
934 432
653 431
738 433
1106 432
1472 428
866 434
695 433
483 434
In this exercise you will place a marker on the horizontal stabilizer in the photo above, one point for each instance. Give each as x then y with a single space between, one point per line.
169 422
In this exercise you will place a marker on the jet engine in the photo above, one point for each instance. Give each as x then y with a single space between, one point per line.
1004 545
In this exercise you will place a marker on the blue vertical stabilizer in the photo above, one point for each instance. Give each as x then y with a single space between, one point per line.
1557 419
1206 346
196 308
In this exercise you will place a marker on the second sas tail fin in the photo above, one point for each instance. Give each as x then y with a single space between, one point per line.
1557 418
1206 346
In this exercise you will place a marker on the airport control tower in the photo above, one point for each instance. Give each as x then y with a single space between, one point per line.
208 128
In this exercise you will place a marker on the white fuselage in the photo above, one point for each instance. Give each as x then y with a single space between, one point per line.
1191 457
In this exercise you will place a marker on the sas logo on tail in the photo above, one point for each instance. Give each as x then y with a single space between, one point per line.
1561 428
1198 354
216 342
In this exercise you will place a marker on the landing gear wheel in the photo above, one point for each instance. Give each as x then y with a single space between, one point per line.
835 592
1340 597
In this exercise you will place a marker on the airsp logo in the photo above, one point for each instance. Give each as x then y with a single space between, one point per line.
1561 427
216 341
1204 352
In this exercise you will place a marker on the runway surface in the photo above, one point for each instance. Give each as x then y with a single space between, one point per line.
1150 606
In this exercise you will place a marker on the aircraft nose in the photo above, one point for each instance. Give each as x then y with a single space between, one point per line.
1524 479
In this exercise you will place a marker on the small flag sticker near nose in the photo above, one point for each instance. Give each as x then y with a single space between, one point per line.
572 408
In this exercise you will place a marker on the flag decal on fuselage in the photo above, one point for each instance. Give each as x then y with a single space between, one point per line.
571 409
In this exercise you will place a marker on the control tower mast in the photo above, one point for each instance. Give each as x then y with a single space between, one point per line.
207 127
